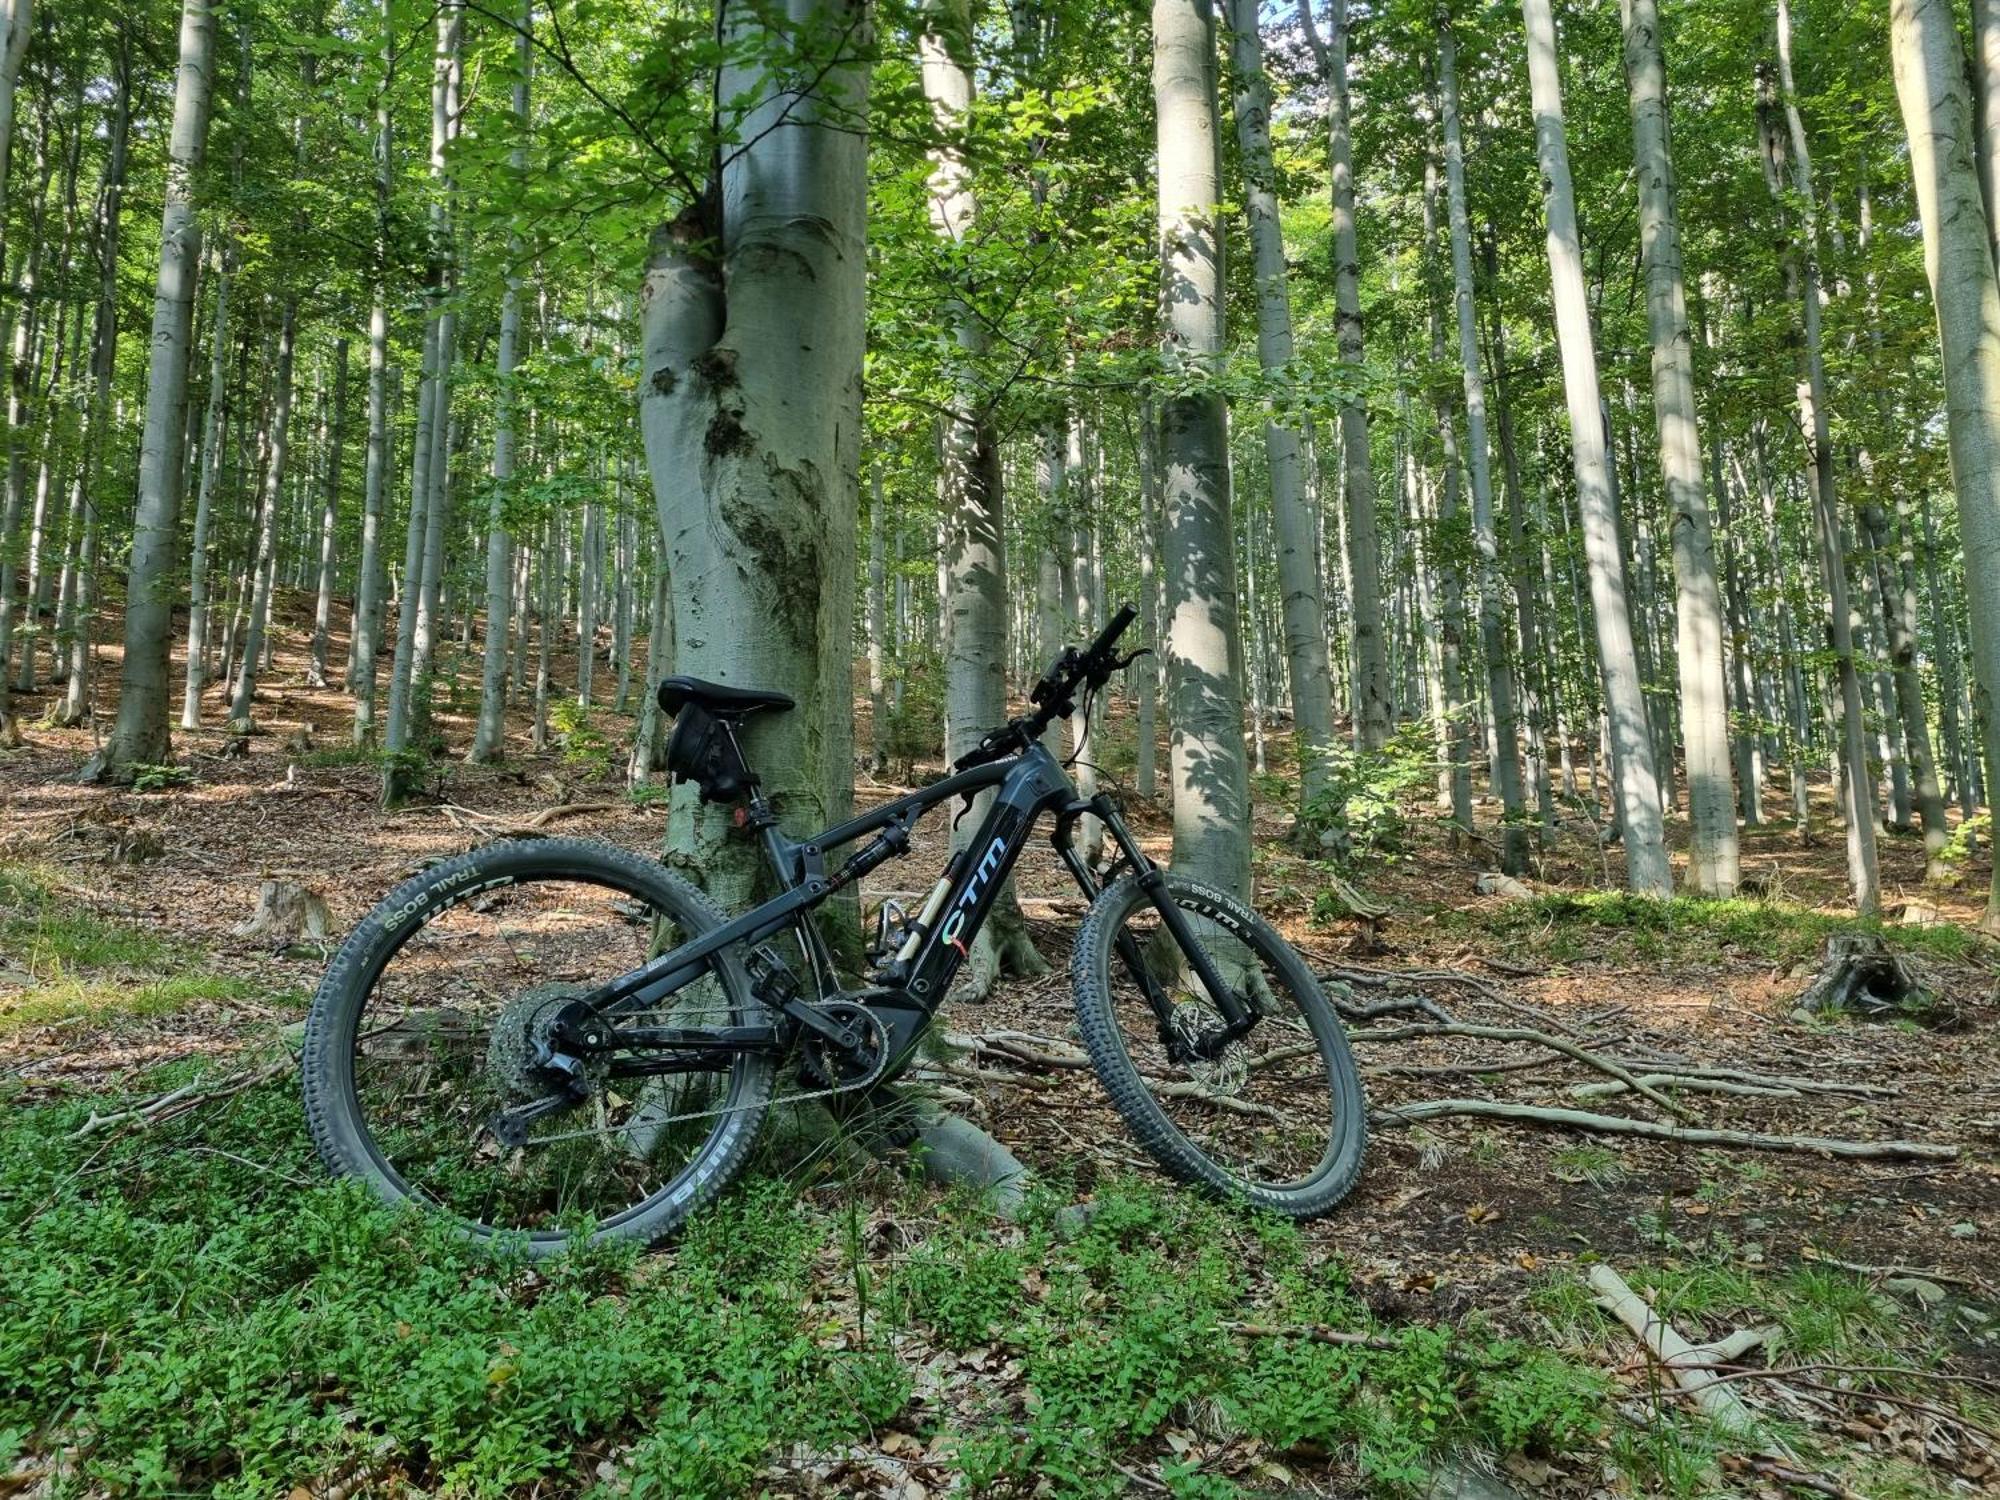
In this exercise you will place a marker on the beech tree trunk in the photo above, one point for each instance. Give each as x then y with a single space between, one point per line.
1646 869
329 517
1514 839
1958 258
1802 283
974 560
140 735
1302 608
1713 866
1372 685
1204 692
263 557
488 735
752 421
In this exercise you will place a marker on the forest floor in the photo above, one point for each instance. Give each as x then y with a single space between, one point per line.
190 1308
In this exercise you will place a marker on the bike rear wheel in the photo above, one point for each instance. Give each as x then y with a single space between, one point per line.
1276 1117
427 1025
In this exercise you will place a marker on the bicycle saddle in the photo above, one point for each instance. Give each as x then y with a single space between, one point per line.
718 698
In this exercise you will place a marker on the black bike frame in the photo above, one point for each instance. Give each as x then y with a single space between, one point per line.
1028 785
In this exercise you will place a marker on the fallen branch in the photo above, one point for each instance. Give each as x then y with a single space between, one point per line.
180 1101
1685 1135
1921 1273
1686 1084
1568 1049
1676 1355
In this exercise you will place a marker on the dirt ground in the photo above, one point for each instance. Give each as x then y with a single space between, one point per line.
1452 1216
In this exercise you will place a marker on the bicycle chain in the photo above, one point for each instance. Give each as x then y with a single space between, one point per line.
699 1114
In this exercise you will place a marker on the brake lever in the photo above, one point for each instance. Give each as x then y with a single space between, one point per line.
1125 661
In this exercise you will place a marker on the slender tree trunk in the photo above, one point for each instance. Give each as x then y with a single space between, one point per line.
1145 774
329 519
397 730
140 735
1802 278
878 568
365 630
1303 609
1713 867
1514 851
488 736
1373 710
1930 81
1646 869
103 369
263 564
1205 705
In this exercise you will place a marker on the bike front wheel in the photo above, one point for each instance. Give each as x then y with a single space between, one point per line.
427 1028
1275 1117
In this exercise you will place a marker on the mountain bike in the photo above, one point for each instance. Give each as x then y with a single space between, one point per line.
554 1038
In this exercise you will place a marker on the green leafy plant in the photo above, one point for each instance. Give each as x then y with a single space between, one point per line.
153 778
585 748
1358 814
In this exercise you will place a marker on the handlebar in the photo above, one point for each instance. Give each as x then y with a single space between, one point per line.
1054 695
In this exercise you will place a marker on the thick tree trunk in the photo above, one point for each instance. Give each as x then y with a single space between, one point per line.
1372 685
140 735
1514 852
752 421
1205 705
1646 869
1930 81
1713 866
1302 607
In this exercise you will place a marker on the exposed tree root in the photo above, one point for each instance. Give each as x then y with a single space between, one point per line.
1577 1119
1568 1049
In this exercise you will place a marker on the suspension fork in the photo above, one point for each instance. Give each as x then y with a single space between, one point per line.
1238 1018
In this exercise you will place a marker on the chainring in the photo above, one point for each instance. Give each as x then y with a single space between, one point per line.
822 1064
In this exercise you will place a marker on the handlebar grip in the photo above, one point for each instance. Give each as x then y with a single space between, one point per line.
1120 622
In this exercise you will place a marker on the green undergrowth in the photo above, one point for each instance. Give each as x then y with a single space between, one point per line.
1619 927
196 1310
63 962
1828 1324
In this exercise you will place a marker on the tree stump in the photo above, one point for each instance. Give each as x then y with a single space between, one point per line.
1860 976
286 912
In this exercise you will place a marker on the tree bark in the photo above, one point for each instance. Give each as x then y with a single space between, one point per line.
1302 608
263 559
752 421
1802 279
1713 866
1930 82
1514 839
1372 686
1646 869
1205 705
488 736
329 518
140 735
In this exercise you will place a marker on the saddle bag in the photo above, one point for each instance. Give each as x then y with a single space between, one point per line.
702 751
